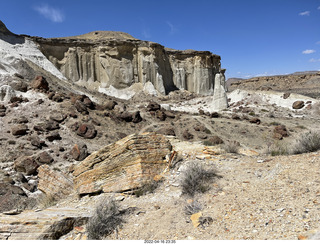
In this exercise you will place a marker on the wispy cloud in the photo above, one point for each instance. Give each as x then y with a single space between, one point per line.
318 8
308 51
173 29
51 13
314 60
146 34
318 42
305 13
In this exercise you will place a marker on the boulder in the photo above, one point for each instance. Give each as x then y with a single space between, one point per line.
124 165
48 224
298 105
255 121
46 126
87 131
279 132
40 83
19 130
153 106
44 158
35 141
11 197
286 95
79 151
54 183
58 117
53 136
26 164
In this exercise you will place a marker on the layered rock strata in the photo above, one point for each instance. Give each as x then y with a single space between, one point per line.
124 165
100 63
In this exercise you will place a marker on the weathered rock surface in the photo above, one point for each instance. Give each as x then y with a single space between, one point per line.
54 183
26 164
49 224
124 165
102 63
10 196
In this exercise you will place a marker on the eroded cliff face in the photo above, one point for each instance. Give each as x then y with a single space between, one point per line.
99 64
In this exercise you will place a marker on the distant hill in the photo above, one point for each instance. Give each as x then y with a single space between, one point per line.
305 83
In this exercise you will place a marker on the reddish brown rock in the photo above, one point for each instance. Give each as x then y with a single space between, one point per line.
79 152
40 83
298 105
44 158
124 165
87 131
153 106
280 132
255 121
26 164
19 130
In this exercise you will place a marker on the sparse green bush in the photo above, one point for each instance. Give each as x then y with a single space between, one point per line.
106 219
308 142
231 146
192 208
196 179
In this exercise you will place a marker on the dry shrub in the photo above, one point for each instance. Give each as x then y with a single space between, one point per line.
308 142
231 146
196 179
278 148
106 219
192 208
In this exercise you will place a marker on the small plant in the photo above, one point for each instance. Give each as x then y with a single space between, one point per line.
196 179
274 123
231 147
106 219
308 142
277 149
192 208
252 113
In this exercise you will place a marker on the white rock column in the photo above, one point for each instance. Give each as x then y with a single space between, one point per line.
220 100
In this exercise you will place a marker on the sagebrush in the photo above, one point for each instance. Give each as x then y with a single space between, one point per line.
192 208
105 220
231 147
197 179
307 142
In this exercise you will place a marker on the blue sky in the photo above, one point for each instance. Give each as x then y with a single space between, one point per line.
261 37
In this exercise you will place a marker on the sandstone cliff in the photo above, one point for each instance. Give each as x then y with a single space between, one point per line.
99 60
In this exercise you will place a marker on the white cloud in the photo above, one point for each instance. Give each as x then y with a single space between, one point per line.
318 8
173 29
318 43
308 51
53 14
313 60
305 13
